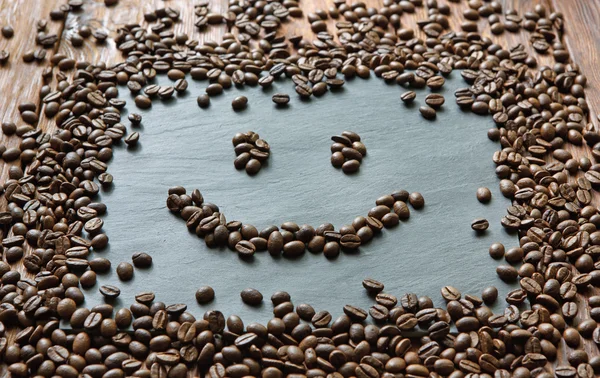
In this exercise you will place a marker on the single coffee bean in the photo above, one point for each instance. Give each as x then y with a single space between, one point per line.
416 200
109 291
373 286
141 260
205 294
281 98
351 166
427 112
484 195
434 100
350 241
253 166
125 271
8 31
214 89
305 312
143 102
337 159
132 139
489 295
496 251
251 297
203 100
408 97
239 103
245 249
480 224
293 248
507 273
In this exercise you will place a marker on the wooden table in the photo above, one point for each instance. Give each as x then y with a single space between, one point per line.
21 82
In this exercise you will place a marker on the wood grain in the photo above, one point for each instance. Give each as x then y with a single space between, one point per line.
22 82
581 19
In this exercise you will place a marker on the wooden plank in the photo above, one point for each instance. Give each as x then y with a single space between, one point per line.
583 47
96 15
581 19
21 82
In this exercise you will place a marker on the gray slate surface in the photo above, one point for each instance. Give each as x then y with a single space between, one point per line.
181 144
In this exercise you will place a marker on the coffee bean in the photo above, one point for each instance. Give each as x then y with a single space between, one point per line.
251 297
245 248
109 291
351 166
507 273
205 294
305 312
203 100
408 97
8 31
355 313
141 260
434 100
239 103
373 286
132 139
489 295
484 195
143 102
281 98
253 166
416 200
337 159
125 271
331 249
427 112
321 319
480 224
214 89
293 248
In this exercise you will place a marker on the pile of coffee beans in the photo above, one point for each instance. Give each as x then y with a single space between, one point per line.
252 152
347 151
290 239
53 227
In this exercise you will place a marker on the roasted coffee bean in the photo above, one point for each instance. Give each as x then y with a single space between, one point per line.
305 312
109 291
251 297
416 200
484 195
351 166
281 98
507 273
141 260
293 248
239 103
125 271
373 286
203 100
205 294
408 97
350 241
489 295
245 249
427 112
434 100
480 224
253 166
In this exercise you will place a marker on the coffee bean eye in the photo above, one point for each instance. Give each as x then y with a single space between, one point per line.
252 152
